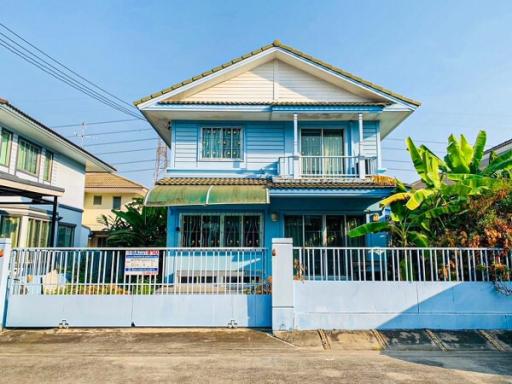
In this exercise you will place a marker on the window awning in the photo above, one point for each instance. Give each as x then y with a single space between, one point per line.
185 195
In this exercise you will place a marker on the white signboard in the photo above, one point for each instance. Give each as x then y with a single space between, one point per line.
142 263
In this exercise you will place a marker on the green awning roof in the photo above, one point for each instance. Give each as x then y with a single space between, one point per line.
184 195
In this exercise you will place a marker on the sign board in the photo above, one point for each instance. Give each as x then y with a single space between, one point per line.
142 263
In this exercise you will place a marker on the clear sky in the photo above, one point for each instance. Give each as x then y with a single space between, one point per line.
453 56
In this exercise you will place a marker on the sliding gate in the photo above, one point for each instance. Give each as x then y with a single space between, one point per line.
114 287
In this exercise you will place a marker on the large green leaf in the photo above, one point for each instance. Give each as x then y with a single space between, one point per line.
418 197
419 239
400 196
478 151
369 228
455 157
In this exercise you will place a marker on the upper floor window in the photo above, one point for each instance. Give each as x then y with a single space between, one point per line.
222 143
5 147
97 200
116 202
28 157
48 165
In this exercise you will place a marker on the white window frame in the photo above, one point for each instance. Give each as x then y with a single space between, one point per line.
222 216
242 140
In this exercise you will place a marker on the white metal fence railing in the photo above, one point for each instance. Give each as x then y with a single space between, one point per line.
156 271
402 264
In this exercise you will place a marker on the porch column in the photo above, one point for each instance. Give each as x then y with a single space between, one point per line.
283 300
53 228
296 155
5 249
362 163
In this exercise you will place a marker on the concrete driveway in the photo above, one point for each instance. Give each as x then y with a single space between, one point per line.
228 356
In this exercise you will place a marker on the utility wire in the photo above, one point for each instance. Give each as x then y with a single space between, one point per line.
127 151
110 132
50 69
62 77
121 142
94 123
64 66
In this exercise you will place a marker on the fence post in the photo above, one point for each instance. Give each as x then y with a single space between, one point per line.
283 301
5 256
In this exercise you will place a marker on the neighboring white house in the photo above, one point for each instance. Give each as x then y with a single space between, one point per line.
498 150
42 178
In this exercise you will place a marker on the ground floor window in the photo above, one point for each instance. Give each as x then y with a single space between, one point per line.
221 230
38 234
10 228
65 235
323 230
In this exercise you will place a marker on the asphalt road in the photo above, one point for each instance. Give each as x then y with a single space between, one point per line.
226 356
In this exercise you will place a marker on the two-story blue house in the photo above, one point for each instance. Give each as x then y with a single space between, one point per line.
275 143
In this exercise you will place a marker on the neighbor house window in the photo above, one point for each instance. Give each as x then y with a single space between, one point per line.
116 202
222 230
65 235
5 147
28 157
38 233
222 143
97 200
323 230
48 165
10 228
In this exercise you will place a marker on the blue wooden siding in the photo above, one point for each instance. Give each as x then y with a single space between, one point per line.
263 143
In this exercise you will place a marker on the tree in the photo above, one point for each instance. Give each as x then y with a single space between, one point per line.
419 216
137 226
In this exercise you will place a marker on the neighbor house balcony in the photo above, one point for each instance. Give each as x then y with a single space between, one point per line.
327 166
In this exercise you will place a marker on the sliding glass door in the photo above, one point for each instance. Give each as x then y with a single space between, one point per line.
322 151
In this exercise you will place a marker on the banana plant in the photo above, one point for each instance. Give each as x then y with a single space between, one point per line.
449 184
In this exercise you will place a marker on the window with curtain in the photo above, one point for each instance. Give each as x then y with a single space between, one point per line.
222 143
322 150
221 230
65 235
38 233
48 165
5 147
10 228
28 157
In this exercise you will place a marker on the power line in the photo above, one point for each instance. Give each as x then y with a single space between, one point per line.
55 72
127 151
111 132
94 123
134 161
121 142
139 170
62 77
64 66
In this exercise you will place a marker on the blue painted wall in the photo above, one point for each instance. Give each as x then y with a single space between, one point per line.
263 143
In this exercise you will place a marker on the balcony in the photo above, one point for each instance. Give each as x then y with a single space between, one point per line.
327 166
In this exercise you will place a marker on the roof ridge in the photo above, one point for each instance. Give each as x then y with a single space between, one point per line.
278 44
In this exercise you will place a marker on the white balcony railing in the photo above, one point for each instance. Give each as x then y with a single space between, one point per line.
326 166
402 264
